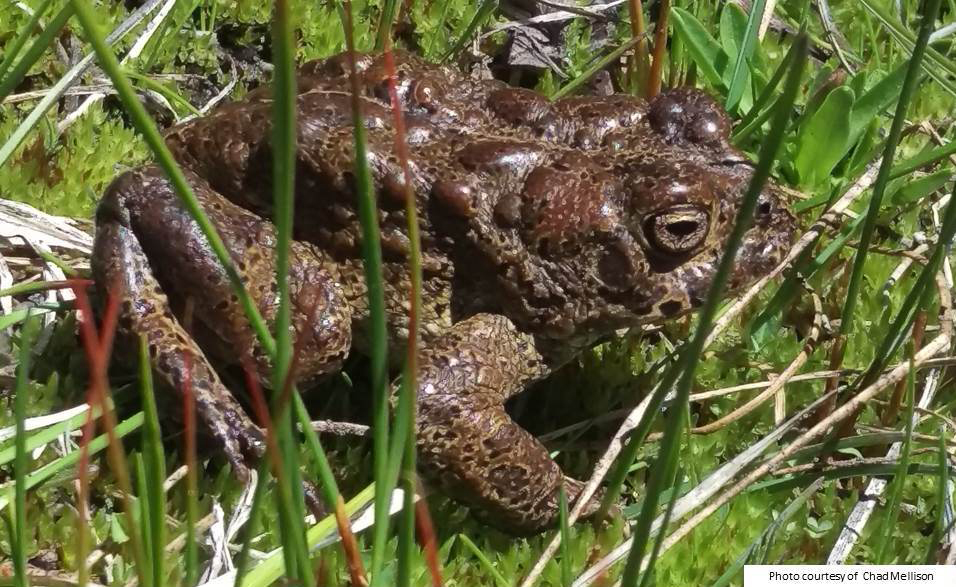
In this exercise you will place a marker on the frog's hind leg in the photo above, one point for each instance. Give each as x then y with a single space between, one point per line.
149 250
466 440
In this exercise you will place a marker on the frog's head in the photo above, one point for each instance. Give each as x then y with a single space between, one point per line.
682 191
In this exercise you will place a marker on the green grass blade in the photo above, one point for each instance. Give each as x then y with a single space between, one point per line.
566 575
13 48
145 519
938 66
154 460
931 8
377 329
914 299
54 94
485 9
292 506
164 158
756 116
70 459
924 159
691 354
385 24
763 541
647 579
738 78
19 530
942 498
484 561
596 67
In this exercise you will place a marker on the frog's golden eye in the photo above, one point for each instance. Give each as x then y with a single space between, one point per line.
677 230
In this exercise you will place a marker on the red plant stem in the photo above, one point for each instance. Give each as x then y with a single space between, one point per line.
98 349
426 536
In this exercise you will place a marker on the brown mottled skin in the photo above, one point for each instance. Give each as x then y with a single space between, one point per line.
545 226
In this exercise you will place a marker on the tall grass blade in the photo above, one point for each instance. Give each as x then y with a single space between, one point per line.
385 24
942 498
691 354
566 575
164 158
377 330
53 94
594 68
739 76
292 524
485 9
154 461
13 48
19 531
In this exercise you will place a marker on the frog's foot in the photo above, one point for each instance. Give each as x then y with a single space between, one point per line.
468 443
150 253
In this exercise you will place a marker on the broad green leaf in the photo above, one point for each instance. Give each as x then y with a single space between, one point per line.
822 140
704 49
733 27
878 98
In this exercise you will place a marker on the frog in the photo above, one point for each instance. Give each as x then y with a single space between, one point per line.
546 227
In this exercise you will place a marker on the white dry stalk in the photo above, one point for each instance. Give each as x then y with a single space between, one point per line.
828 219
6 280
216 540
22 224
864 508
74 91
614 447
550 17
849 409
39 422
767 17
243 509
133 53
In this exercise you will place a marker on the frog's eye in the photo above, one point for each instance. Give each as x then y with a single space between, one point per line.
677 230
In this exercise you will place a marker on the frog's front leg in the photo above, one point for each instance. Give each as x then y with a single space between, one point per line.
467 441
150 252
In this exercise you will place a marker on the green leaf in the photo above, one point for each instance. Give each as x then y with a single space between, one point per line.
875 100
704 49
822 140
740 76
906 190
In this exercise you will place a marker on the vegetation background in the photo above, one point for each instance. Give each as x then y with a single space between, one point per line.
834 129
